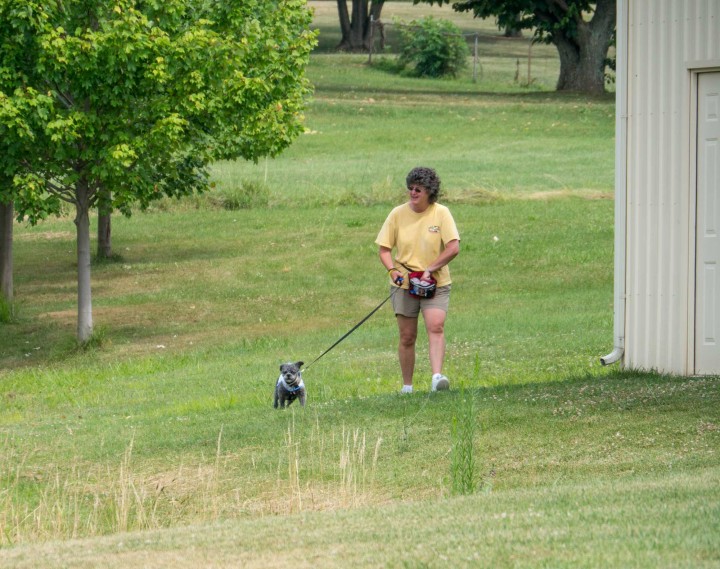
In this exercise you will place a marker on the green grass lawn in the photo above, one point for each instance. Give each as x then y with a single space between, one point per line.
158 445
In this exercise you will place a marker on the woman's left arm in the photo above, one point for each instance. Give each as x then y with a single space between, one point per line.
452 248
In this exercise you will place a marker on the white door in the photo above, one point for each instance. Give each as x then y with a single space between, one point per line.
707 277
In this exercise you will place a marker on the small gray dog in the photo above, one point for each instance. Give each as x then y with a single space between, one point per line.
289 386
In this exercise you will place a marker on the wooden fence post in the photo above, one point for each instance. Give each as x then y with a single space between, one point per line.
372 38
475 58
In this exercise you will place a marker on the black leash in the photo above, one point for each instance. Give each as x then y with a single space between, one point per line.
354 327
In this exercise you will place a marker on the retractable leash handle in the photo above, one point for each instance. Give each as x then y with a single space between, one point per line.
398 281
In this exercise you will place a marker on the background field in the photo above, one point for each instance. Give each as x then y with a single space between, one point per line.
493 135
159 447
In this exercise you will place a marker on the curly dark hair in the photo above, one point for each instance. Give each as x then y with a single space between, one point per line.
427 178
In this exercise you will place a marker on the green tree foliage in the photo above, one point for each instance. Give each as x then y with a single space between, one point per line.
435 48
581 30
139 97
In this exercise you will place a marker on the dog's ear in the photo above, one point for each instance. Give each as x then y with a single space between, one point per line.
299 364
281 366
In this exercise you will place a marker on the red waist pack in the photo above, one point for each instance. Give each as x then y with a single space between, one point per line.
422 288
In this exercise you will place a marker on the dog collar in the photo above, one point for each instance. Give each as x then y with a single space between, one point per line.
290 388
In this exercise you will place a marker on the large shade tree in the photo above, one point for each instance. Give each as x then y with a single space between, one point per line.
581 30
138 98
356 23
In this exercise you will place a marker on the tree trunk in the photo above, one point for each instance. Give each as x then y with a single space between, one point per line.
7 215
104 241
582 57
512 31
82 224
104 230
356 28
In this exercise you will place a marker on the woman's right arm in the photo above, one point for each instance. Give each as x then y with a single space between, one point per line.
387 261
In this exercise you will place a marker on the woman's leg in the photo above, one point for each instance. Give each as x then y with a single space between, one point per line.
406 347
435 326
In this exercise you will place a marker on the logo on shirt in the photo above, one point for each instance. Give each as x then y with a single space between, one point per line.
434 229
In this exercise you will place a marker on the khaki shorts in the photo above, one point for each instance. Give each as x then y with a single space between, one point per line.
407 305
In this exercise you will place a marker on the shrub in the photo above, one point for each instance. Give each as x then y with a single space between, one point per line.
435 48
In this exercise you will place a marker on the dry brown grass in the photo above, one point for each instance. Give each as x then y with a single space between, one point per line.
567 193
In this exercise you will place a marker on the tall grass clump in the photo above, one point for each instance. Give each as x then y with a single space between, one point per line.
78 500
73 501
248 195
357 474
292 444
6 311
326 469
462 458
96 341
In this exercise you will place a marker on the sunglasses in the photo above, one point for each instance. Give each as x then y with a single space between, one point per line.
416 189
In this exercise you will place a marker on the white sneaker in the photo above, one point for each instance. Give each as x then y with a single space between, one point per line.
406 389
440 382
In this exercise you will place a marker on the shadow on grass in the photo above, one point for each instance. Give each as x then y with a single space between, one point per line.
537 97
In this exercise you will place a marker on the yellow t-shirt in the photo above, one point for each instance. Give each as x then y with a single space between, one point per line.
419 237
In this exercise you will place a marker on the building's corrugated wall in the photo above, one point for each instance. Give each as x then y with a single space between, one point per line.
664 38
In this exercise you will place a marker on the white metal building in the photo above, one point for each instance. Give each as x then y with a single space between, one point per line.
667 187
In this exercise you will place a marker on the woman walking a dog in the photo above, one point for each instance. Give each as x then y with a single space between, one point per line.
425 238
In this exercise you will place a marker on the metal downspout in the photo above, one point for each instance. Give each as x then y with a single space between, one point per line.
621 119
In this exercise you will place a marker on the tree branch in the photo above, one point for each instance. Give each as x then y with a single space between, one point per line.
563 6
60 191
93 194
604 13
560 4
66 100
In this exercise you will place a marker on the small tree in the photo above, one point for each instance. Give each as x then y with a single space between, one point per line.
435 48
139 98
